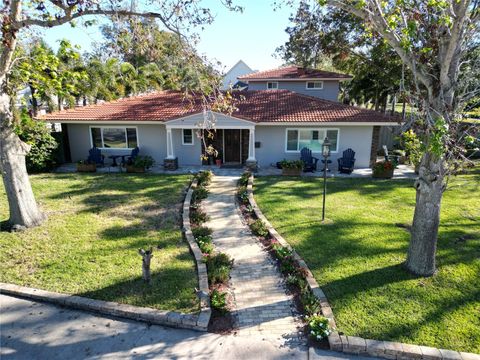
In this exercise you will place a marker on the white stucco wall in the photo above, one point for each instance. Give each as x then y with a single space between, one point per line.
239 69
272 144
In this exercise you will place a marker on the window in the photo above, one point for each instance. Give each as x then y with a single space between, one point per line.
297 139
271 85
314 85
187 138
114 137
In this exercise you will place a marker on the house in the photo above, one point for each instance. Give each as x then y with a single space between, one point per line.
311 82
268 126
231 77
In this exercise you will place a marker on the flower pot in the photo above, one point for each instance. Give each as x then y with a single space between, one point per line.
386 174
133 169
86 167
218 162
291 172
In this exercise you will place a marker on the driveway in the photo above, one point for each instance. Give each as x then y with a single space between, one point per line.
34 330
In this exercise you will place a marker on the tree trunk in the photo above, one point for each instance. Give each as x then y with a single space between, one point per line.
394 102
23 208
423 242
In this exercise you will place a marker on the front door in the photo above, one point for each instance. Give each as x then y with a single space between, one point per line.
231 146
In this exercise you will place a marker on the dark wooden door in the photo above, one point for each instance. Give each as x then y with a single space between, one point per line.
232 145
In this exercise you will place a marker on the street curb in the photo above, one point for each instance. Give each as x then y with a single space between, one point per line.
353 344
149 315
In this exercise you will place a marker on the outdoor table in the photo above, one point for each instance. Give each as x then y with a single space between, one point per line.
114 158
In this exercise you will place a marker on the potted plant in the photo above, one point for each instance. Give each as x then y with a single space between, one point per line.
140 164
86 166
218 162
291 167
383 169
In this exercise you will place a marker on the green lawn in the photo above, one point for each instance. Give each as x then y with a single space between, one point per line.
89 244
357 256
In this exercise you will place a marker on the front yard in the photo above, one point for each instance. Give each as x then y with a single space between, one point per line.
357 256
89 244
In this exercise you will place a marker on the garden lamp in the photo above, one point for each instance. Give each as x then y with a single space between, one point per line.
326 154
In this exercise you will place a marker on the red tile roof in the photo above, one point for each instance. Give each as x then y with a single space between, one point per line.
272 106
292 73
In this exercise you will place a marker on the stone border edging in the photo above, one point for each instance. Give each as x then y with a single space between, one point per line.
205 309
353 344
160 317
153 316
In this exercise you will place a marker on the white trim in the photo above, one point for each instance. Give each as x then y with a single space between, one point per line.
325 123
294 79
114 127
180 126
313 129
314 88
183 137
272 82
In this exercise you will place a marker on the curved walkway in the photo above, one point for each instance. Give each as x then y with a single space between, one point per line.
262 305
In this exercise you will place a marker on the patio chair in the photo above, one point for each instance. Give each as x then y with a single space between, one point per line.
131 157
346 162
309 161
95 156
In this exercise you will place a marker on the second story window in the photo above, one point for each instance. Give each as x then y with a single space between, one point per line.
314 85
272 85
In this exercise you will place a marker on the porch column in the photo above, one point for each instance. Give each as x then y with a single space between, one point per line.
170 162
251 145
170 152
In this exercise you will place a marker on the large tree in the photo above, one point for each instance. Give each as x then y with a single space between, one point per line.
17 16
320 37
435 39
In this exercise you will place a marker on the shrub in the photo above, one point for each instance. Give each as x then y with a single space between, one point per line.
204 178
205 244
36 134
201 231
244 179
243 195
310 302
292 164
198 216
382 166
259 228
199 194
296 280
281 252
319 327
218 300
218 267
143 161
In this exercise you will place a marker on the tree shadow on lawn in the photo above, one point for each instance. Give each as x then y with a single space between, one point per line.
308 187
135 291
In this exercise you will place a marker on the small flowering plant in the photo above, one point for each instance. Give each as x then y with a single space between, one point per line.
319 327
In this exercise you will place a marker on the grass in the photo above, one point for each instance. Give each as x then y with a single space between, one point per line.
357 256
89 244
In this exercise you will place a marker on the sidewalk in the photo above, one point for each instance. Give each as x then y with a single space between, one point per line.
262 306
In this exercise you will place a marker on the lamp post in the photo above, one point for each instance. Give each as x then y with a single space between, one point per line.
326 154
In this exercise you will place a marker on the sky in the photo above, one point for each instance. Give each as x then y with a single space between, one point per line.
251 36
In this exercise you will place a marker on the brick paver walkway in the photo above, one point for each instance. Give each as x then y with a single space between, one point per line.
262 306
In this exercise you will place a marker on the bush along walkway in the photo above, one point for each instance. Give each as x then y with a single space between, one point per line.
261 303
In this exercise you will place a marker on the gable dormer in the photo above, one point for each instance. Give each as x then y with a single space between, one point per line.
312 82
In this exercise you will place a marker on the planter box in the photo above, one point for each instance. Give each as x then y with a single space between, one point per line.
86 167
133 169
387 174
291 172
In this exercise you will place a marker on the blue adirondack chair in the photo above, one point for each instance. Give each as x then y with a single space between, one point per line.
131 157
346 162
309 161
95 156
